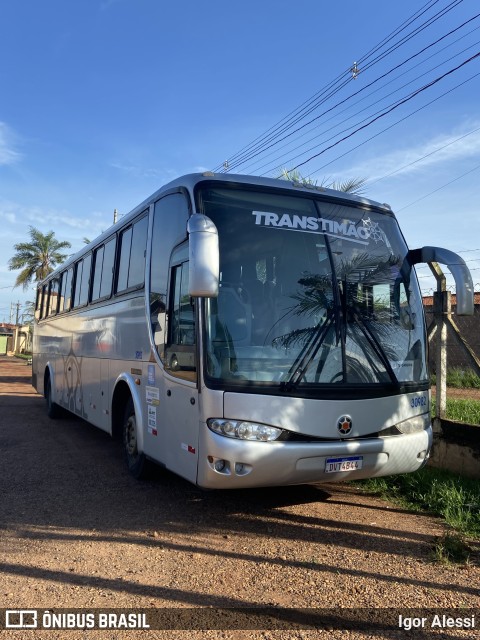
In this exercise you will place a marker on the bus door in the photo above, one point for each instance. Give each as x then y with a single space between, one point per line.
180 407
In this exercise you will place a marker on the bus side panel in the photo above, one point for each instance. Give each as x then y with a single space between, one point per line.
112 340
94 392
87 350
48 345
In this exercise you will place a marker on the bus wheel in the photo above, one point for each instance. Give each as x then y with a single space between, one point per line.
137 464
53 409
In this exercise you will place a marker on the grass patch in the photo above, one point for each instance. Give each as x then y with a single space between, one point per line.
451 548
461 410
460 379
455 498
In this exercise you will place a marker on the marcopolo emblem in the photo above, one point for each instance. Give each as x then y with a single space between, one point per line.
344 425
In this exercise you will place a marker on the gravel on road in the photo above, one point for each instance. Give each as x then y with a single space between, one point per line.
78 532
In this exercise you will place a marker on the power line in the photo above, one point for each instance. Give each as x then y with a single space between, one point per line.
332 117
278 167
265 138
268 143
429 22
427 155
346 153
439 188
300 113
321 93
392 108
399 29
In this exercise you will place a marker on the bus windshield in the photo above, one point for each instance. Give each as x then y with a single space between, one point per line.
313 294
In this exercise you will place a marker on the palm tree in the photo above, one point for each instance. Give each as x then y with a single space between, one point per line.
355 186
37 258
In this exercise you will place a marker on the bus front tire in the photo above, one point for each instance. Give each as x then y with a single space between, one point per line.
136 461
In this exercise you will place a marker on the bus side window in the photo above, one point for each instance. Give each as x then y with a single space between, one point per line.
66 292
108 267
38 305
82 280
180 350
44 301
133 245
104 262
169 230
125 246
53 297
136 273
97 272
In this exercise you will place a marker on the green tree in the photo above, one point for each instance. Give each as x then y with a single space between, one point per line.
37 258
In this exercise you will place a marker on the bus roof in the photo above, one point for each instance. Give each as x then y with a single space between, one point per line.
192 180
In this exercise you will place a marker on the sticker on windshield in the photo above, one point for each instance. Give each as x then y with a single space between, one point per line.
403 370
362 233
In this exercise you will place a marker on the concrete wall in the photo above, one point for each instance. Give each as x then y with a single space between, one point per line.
456 447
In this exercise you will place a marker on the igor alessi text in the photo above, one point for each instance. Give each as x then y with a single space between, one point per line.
436 622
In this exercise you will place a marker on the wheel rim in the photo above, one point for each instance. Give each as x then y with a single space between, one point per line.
131 436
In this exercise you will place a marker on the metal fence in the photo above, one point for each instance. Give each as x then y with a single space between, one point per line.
454 359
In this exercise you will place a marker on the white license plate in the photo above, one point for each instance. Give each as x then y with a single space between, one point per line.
350 463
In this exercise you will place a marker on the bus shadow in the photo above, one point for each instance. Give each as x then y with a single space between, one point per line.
65 482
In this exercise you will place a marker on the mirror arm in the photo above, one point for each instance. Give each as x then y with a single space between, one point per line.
458 269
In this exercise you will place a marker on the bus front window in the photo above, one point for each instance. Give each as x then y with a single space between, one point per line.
312 294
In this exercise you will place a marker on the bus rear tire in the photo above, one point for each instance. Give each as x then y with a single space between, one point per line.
53 409
136 461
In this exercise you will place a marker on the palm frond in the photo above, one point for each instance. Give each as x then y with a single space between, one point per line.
37 258
355 186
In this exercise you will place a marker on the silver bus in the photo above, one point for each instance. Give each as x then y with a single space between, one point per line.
246 332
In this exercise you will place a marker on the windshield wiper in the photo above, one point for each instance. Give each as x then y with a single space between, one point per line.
307 354
373 342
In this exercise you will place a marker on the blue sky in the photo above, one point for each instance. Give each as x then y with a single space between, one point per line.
103 101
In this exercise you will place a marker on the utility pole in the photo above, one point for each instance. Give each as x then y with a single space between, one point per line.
17 328
117 215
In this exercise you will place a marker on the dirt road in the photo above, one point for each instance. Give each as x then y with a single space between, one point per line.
78 532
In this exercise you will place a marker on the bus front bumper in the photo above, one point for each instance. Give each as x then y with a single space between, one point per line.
228 463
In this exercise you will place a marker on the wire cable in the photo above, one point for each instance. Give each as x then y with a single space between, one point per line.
439 188
427 155
331 128
254 163
391 109
241 161
321 92
254 149
394 124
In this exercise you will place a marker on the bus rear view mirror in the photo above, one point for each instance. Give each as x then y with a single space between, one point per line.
457 267
204 257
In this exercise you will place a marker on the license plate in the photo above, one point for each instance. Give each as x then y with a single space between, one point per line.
336 465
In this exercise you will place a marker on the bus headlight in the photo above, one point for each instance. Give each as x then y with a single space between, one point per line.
244 430
415 424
